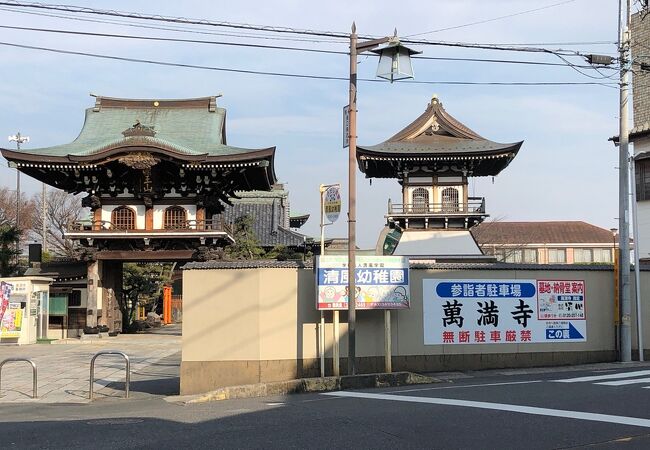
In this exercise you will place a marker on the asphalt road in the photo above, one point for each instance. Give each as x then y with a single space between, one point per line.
515 409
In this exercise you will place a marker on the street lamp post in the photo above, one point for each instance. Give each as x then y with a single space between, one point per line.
394 64
18 139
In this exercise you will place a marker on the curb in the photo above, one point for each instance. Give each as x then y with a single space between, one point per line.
304 385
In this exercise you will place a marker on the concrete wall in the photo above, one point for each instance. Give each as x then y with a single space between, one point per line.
254 325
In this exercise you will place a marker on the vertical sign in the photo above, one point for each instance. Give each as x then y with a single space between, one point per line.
332 203
503 311
346 126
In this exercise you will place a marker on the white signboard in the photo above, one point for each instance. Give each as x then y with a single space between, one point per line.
346 126
332 203
503 311
382 282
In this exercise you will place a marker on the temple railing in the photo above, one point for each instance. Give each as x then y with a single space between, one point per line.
99 226
474 205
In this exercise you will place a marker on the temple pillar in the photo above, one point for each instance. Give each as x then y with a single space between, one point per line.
94 302
111 292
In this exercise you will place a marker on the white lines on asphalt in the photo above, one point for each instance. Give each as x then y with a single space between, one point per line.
533 410
468 386
625 382
638 373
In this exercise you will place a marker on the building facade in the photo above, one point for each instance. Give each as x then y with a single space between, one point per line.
557 242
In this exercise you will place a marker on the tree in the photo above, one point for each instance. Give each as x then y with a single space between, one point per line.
246 245
8 209
141 285
9 237
61 209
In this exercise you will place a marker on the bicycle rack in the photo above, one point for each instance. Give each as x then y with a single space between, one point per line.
92 370
34 373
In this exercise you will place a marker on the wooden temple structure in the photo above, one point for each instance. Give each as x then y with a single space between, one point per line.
433 158
156 175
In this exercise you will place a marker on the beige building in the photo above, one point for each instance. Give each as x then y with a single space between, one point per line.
559 242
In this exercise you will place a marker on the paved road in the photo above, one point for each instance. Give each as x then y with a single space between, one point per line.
551 408
63 369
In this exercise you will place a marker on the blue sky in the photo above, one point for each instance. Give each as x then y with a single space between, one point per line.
566 169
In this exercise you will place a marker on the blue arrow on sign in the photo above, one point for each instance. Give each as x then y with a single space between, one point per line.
563 333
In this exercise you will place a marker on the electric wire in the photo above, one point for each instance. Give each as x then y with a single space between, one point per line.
265 28
303 49
295 75
479 22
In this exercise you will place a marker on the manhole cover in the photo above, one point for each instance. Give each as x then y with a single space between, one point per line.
114 421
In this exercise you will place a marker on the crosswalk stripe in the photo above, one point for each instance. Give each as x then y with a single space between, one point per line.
625 382
638 373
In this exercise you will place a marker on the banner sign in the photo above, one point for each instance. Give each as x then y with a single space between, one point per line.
11 313
382 282
503 311
332 203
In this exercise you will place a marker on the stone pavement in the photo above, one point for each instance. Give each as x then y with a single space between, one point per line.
64 369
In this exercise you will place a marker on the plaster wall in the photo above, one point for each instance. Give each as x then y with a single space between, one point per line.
253 325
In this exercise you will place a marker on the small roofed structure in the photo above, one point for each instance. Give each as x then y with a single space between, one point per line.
432 158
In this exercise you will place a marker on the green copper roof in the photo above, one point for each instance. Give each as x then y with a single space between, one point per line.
192 127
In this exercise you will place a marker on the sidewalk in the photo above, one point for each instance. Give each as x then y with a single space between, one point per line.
64 370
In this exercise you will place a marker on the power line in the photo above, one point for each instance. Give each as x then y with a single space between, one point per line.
304 76
274 47
265 28
177 29
478 22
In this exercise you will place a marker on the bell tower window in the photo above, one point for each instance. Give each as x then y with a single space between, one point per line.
450 199
420 200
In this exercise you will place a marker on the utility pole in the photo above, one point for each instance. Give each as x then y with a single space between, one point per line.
624 192
44 218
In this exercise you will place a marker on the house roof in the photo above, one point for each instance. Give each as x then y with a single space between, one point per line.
557 232
187 129
436 136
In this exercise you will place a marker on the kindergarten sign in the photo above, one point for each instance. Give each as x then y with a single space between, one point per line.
382 282
503 311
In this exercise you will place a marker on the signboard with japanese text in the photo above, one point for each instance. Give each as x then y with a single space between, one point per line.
332 203
503 311
382 282
11 313
346 126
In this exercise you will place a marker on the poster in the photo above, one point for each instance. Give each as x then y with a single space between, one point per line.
11 313
382 282
503 311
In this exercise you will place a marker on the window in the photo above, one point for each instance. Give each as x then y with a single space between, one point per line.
603 255
514 256
420 200
556 256
123 218
642 179
582 255
450 199
530 255
175 218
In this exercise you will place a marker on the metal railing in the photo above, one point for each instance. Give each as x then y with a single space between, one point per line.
474 205
128 370
34 373
186 225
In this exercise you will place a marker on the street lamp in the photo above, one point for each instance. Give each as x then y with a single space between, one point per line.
394 64
18 139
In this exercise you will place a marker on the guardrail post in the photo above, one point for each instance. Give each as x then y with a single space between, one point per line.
34 373
128 371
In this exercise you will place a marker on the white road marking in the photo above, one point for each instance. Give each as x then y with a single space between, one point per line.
638 373
594 417
468 386
625 382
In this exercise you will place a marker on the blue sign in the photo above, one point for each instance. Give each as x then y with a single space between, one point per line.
482 289
569 332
